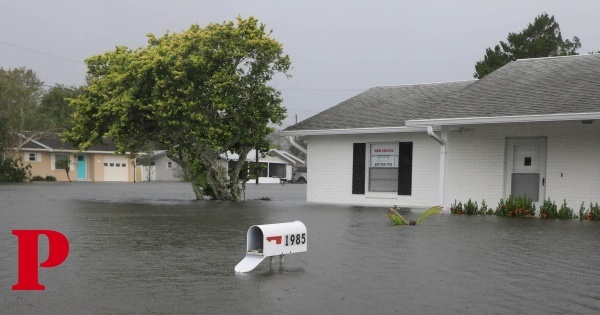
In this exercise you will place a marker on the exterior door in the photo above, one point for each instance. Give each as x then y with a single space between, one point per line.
81 166
526 168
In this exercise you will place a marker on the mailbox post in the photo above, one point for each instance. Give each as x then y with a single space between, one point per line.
270 240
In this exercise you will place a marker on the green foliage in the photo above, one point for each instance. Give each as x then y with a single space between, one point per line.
549 210
50 178
565 213
37 178
13 170
398 219
20 114
591 214
200 93
542 38
428 212
55 105
457 208
520 206
471 208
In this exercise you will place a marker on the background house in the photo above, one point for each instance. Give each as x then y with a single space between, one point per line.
527 129
277 164
98 163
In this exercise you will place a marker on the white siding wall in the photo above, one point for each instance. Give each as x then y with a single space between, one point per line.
330 170
476 160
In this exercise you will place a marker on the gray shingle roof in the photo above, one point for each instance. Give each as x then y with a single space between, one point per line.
381 107
541 86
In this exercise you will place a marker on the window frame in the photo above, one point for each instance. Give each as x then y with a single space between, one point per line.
370 168
54 160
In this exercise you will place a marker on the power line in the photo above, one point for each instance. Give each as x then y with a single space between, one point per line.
42 84
43 53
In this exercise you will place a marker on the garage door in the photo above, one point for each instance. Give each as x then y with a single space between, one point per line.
115 169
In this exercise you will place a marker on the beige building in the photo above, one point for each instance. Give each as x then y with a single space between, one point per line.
99 164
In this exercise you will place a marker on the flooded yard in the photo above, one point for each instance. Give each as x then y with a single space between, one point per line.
151 248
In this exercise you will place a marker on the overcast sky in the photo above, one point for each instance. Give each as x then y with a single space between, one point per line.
337 48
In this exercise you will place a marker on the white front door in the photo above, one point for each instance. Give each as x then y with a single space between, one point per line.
526 168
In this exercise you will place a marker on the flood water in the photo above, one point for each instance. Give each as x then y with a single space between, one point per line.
151 248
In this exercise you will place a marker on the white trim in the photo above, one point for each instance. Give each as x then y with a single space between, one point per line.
53 160
501 119
41 144
352 131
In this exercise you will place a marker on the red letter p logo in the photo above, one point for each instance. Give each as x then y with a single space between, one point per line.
58 250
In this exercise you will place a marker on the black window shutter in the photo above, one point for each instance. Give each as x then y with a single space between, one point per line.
405 168
358 168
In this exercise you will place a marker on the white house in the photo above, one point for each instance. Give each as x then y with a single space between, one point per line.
528 128
278 165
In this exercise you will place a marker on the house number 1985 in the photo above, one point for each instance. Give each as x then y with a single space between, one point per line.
295 239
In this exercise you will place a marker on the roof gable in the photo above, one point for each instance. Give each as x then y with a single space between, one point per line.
54 143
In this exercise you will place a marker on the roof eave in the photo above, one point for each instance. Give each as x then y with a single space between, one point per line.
350 131
420 123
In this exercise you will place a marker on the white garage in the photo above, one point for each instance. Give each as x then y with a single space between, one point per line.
115 169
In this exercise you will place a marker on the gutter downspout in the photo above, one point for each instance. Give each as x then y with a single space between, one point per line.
443 154
296 145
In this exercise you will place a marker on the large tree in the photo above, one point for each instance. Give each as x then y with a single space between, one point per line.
201 93
20 114
55 107
542 38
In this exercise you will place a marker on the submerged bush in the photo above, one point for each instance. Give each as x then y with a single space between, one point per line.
549 210
565 213
37 178
13 170
593 214
521 206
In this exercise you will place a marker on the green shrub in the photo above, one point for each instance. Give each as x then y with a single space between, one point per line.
521 206
564 213
37 178
456 208
50 178
471 208
594 213
549 210
13 170
483 209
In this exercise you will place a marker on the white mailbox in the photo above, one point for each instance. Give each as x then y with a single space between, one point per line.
270 240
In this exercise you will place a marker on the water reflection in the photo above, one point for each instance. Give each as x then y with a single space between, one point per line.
152 249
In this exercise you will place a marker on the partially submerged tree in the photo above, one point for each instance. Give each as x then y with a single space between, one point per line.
200 93
542 38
